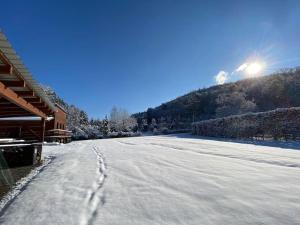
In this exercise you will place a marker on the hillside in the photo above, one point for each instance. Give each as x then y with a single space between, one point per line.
279 90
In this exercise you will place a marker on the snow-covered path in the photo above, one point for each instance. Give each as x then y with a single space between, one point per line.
161 180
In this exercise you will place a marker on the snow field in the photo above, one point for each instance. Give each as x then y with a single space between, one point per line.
162 180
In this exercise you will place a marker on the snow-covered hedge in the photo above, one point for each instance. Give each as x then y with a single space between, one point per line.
123 134
277 124
167 131
85 132
90 132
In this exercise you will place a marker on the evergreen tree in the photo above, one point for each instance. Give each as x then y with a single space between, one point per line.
105 126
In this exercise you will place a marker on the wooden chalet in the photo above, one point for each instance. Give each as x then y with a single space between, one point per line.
25 110
56 129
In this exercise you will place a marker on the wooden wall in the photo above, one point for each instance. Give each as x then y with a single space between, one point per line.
59 122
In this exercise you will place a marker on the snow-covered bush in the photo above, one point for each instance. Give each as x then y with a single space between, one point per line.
123 134
86 132
93 132
164 130
79 134
156 131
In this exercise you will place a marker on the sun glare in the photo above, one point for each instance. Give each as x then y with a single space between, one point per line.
254 69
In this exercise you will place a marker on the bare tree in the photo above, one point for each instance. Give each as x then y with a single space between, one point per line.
120 120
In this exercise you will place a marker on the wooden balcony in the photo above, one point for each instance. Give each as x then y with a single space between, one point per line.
58 135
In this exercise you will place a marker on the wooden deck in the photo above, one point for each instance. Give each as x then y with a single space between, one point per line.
58 135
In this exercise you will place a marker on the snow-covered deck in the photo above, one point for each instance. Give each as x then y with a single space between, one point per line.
161 180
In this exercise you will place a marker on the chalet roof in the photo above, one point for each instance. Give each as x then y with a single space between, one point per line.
60 107
19 79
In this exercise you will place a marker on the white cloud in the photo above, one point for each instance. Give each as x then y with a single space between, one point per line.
221 77
242 67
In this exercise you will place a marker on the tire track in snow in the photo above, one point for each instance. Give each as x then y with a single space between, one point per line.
95 196
245 158
125 143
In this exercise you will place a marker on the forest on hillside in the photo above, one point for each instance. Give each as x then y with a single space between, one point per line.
278 90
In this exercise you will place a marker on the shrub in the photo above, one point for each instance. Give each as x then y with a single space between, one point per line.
123 134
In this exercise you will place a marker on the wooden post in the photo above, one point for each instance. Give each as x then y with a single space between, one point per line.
42 138
20 132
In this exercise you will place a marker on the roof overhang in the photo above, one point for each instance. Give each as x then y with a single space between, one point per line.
20 94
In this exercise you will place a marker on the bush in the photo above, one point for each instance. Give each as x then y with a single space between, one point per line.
85 132
123 134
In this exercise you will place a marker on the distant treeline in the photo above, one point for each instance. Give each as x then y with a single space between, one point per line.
279 90
275 124
119 123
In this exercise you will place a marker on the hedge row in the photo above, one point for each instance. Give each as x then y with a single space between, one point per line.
276 124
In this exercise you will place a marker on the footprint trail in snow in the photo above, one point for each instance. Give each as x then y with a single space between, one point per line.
95 196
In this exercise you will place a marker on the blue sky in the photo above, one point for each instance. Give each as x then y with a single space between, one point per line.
137 54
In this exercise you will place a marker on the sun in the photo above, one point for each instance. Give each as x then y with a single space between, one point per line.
254 68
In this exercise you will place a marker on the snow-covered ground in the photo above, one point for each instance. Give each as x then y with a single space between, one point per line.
161 180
